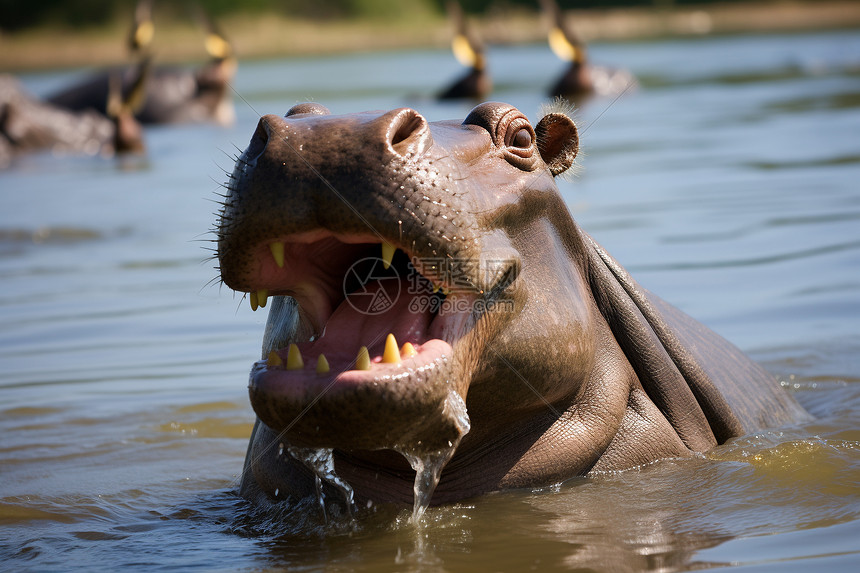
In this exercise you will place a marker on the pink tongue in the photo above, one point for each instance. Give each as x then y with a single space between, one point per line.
366 317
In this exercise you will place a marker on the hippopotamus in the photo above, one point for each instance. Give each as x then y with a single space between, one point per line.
28 124
502 336
581 79
469 51
174 94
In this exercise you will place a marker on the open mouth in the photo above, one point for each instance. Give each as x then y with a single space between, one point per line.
376 316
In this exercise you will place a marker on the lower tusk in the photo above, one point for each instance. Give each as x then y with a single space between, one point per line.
408 351
294 358
274 360
363 360
322 364
391 355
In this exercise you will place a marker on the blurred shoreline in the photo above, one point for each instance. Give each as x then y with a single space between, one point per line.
274 35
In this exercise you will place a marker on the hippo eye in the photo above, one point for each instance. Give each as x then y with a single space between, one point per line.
511 132
519 136
522 138
520 142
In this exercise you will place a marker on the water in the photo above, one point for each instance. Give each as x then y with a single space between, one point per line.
321 462
428 465
727 183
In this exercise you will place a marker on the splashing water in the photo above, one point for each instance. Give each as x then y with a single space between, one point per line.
281 328
428 465
321 462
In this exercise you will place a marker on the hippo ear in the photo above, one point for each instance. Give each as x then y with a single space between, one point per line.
308 108
557 141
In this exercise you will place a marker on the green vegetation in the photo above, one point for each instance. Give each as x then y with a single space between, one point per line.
18 14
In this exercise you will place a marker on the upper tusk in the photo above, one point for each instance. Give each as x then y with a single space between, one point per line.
277 249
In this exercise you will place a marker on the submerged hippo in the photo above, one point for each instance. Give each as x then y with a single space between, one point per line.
581 79
28 124
469 51
541 356
173 94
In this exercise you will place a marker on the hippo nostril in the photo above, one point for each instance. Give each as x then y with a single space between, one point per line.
260 139
408 124
409 133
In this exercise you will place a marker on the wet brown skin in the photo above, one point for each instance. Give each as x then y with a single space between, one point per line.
581 371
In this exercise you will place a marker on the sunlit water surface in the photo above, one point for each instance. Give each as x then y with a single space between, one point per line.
728 182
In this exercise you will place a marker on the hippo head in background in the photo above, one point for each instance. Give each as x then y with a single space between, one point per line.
438 271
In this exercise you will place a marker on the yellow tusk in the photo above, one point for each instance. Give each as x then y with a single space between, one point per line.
408 351
391 355
262 297
363 360
294 358
387 254
274 360
252 296
277 249
322 365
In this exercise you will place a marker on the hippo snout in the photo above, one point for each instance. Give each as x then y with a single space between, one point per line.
402 133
